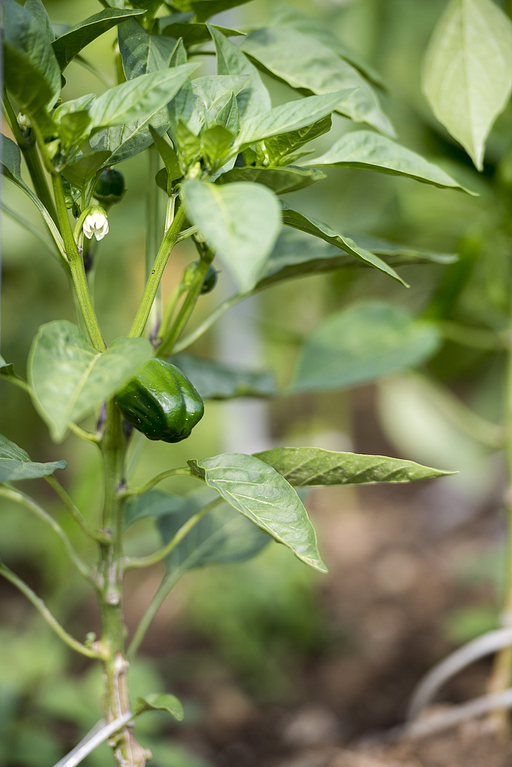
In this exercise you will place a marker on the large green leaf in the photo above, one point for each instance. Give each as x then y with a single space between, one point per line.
70 379
254 99
215 380
39 12
289 117
240 222
222 536
281 180
364 342
467 74
140 52
31 70
324 232
368 150
310 466
286 16
309 66
256 490
68 45
139 98
83 169
16 464
297 255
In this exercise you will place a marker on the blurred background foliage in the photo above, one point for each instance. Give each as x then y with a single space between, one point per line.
261 622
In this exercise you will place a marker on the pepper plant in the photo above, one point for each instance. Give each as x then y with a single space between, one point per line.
224 157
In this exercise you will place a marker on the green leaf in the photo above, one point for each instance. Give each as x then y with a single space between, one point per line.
256 490
203 9
240 222
168 155
215 143
254 99
7 370
310 67
285 16
159 700
152 505
311 466
215 380
297 255
70 379
193 34
83 169
222 536
31 70
280 180
38 11
289 117
367 150
142 53
467 75
361 343
278 148
213 95
16 464
68 45
324 232
139 98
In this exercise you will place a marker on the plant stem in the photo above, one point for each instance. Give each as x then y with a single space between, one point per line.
47 615
77 268
502 669
127 751
153 228
35 168
156 274
31 505
75 512
153 559
169 340
159 478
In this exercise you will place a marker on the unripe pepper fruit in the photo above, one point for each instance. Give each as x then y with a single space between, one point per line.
161 402
110 187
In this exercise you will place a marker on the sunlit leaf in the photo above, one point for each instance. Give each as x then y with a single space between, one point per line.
311 466
467 75
256 490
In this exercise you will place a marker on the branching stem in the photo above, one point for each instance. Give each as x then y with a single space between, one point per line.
75 512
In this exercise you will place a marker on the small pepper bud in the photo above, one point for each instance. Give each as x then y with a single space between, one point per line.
96 224
110 187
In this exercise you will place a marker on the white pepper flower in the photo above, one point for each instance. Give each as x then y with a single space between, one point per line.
96 224
24 121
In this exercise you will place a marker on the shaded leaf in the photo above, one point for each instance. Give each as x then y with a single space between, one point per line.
367 150
240 222
222 536
193 34
156 701
324 232
31 70
83 169
168 155
311 466
203 9
38 11
70 379
467 74
213 95
68 45
215 380
361 343
142 53
309 66
256 490
280 180
254 99
16 464
297 255
278 148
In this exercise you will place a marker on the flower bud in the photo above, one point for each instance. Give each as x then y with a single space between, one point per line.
96 224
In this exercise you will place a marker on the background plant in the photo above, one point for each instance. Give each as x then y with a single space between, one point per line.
210 134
